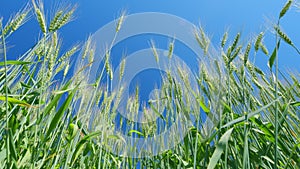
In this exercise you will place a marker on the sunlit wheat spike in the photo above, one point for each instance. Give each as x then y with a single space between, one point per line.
66 69
216 63
19 20
48 51
202 39
137 93
40 15
229 51
237 51
91 55
122 68
54 39
120 21
119 96
235 54
60 67
169 76
235 41
259 71
107 64
6 29
56 52
171 49
206 47
182 74
50 69
264 49
199 40
250 68
65 19
285 8
246 54
55 21
258 41
224 57
68 53
56 47
153 48
111 72
224 39
203 35
87 47
283 35
50 65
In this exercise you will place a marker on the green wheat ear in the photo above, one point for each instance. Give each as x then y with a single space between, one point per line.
38 8
65 19
264 49
122 68
55 21
285 8
283 35
171 49
235 41
153 48
17 21
202 39
224 39
246 54
68 54
87 47
258 41
120 21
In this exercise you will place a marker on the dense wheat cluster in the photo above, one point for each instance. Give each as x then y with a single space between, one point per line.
44 122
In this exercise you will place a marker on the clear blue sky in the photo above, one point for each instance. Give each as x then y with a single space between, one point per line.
250 17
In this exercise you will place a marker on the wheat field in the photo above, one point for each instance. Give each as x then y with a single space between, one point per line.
257 112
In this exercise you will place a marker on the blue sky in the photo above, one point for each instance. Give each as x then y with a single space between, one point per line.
250 17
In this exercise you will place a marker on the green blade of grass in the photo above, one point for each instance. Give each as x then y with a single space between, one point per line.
15 101
54 101
12 147
295 104
80 145
14 62
273 56
135 131
56 119
203 106
240 119
219 149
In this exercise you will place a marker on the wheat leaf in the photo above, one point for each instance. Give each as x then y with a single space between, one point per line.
273 56
220 147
